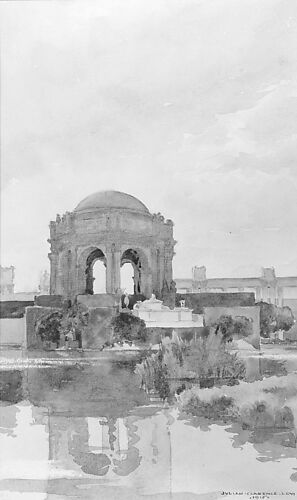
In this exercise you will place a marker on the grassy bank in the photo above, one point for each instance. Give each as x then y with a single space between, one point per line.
269 403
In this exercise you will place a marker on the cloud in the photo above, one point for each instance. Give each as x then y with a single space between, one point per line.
189 105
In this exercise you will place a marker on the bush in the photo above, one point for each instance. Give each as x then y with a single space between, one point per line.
228 327
128 327
50 326
75 319
209 358
156 370
264 404
218 408
273 318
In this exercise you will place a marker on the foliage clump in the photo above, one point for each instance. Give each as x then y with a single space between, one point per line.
241 327
52 325
209 358
221 407
127 327
274 318
206 359
264 404
75 320
156 370
48 327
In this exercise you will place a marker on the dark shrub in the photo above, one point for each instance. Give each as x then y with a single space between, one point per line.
128 327
48 327
217 408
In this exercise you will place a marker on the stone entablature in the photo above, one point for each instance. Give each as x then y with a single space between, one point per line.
114 234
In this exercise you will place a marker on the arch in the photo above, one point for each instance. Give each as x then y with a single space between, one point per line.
93 257
141 253
138 260
127 278
99 277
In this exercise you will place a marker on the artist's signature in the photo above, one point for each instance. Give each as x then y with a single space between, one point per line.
258 495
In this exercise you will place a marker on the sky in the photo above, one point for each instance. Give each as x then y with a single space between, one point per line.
189 105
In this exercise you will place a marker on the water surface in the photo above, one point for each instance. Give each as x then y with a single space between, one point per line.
83 429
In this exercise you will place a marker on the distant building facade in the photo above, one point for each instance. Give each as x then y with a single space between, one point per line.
7 286
6 281
44 283
281 291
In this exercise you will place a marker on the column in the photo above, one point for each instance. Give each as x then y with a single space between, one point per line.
280 296
60 269
168 256
257 294
113 269
81 279
117 270
109 278
53 272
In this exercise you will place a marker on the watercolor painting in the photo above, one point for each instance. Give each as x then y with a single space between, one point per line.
148 326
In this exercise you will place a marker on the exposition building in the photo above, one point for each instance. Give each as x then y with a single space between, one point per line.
114 228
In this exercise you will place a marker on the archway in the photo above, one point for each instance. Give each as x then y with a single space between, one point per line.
99 277
127 278
132 257
96 272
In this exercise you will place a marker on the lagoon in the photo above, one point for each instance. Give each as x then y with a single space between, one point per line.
76 425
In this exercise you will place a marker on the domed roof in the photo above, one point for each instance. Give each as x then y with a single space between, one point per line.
111 199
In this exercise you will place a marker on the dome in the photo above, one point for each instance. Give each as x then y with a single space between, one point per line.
111 199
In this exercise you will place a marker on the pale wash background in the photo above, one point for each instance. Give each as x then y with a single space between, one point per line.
189 105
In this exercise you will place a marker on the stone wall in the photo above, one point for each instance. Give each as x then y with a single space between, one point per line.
99 329
14 308
32 315
49 300
198 301
155 334
97 332
99 300
12 331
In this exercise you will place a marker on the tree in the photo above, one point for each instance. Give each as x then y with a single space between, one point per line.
228 327
128 327
48 327
225 327
75 320
243 327
267 318
284 318
273 318
70 319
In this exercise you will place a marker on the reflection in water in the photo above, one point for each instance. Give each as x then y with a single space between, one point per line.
88 432
271 445
101 445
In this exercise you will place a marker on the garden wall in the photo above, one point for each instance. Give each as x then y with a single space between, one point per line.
32 315
99 329
49 300
198 301
14 308
13 331
96 334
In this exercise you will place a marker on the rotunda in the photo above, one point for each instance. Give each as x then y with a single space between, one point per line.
115 228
